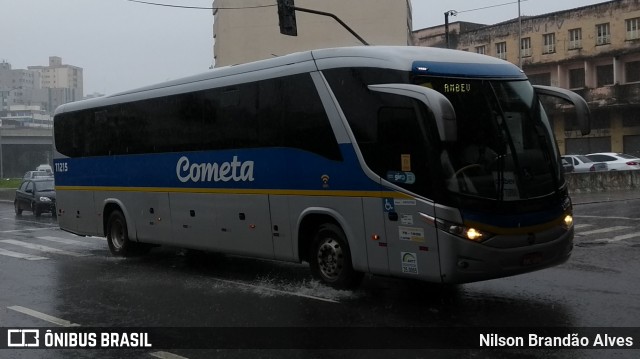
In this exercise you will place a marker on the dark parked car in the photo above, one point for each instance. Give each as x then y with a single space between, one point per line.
36 195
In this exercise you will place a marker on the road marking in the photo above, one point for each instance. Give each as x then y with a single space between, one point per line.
623 237
66 241
43 248
582 225
45 317
28 230
604 230
603 217
28 257
166 355
276 290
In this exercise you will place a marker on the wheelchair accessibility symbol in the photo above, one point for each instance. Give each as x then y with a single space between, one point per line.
388 205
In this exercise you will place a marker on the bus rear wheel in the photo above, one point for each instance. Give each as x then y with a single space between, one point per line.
330 258
118 235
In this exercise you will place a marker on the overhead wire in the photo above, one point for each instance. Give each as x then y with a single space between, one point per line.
490 6
199 7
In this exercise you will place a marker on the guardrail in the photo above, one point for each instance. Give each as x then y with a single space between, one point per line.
579 183
589 182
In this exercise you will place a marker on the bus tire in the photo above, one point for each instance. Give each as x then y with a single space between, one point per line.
330 258
118 235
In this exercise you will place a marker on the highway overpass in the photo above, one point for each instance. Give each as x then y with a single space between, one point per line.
22 149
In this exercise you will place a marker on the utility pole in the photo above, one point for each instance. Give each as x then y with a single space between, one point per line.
519 36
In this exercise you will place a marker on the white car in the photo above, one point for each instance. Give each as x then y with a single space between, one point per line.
37 174
582 163
616 161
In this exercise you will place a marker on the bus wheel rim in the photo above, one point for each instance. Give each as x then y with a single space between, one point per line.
330 258
117 235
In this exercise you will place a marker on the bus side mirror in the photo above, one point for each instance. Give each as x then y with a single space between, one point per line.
436 102
582 109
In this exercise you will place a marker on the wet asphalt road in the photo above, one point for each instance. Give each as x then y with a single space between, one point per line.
70 280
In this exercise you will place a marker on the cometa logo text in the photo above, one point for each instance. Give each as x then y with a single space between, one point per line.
214 172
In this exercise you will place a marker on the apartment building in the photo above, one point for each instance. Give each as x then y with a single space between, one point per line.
45 86
593 50
64 82
248 30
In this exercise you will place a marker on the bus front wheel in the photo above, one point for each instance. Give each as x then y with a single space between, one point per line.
118 235
330 258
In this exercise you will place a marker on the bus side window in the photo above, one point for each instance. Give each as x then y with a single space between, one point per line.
402 146
399 134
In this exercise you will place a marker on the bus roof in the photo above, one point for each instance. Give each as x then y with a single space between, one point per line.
420 60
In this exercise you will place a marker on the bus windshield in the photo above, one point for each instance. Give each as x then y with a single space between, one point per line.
505 148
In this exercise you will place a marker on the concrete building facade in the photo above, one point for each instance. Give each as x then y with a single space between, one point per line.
593 50
250 32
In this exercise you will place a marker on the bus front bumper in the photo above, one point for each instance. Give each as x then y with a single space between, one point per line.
464 261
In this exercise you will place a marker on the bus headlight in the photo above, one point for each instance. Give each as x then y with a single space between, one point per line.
473 234
568 221
469 233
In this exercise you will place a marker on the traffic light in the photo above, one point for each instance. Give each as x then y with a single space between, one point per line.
287 17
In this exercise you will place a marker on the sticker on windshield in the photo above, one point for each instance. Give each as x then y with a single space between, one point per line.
405 160
401 177
509 186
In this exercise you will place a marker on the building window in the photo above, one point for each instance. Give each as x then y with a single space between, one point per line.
576 78
603 35
525 47
575 39
604 75
632 71
549 43
501 50
540 79
481 50
632 29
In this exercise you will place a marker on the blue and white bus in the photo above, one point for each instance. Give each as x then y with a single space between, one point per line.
412 162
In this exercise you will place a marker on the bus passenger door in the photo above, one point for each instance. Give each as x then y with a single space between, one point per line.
411 238
410 121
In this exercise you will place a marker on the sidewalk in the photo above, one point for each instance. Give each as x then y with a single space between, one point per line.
7 194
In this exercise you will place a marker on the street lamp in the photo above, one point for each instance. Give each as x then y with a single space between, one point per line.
446 25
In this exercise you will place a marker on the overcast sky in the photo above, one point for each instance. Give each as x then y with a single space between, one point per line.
122 45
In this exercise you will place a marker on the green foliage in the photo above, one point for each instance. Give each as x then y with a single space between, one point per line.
10 182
